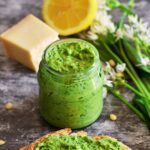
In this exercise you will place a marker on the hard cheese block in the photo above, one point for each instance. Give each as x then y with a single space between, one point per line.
26 41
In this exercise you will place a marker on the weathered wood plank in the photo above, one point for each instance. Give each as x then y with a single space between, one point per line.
18 85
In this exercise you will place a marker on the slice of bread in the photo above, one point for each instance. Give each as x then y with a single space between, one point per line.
68 131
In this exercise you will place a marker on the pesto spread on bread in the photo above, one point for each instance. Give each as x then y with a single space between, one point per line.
73 142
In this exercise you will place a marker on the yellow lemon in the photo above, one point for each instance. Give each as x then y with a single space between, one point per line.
69 16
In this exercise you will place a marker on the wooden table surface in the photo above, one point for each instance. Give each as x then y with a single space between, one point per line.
18 85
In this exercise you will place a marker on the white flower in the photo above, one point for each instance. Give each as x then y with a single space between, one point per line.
138 32
129 31
102 24
137 28
144 61
107 82
133 19
111 75
109 72
119 34
92 35
107 67
97 28
102 5
145 37
120 67
143 27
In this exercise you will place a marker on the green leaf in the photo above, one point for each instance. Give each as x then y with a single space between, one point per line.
139 102
135 55
145 78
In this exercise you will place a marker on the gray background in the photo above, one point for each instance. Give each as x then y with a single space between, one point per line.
23 124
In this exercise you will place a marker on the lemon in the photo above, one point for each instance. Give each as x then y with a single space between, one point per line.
69 16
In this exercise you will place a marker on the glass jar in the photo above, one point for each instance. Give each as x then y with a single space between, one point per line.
71 100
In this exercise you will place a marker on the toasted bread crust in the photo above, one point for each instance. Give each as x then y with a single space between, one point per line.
62 132
68 131
123 146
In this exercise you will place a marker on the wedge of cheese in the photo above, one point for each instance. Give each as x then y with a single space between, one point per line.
26 41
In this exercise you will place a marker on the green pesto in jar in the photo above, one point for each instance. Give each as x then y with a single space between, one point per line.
70 57
77 143
70 84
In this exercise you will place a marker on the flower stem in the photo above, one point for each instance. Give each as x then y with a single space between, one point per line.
112 53
122 20
132 72
126 102
131 88
123 17
120 61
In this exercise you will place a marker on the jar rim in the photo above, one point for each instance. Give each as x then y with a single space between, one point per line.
89 70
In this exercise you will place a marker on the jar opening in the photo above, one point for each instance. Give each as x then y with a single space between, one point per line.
71 57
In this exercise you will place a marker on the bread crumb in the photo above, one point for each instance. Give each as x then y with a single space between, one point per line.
82 133
8 106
